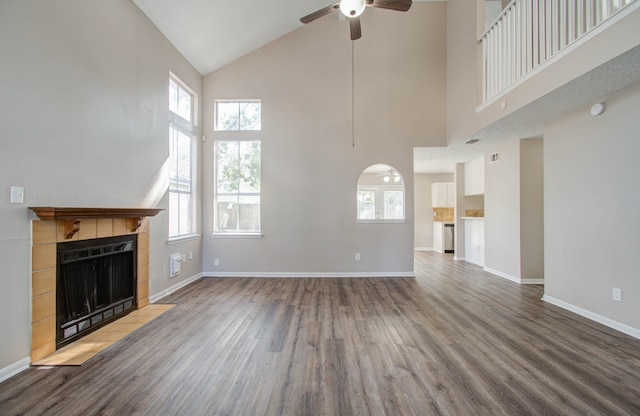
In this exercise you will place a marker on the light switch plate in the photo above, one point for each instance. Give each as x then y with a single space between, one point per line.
17 195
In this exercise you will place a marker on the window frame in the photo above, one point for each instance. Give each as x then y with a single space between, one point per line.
216 113
379 191
188 128
234 233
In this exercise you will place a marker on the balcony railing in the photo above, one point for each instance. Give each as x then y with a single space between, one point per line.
529 33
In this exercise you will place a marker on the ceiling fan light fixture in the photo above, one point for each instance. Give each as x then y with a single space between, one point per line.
352 8
386 178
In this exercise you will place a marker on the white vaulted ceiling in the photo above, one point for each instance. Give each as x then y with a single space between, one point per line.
213 33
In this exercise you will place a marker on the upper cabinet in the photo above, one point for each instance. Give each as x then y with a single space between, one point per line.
443 195
474 177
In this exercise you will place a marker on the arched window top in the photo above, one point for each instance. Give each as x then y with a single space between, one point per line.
380 195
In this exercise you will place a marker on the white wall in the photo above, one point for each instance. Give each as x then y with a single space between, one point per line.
423 213
502 211
309 167
83 122
592 227
531 209
514 219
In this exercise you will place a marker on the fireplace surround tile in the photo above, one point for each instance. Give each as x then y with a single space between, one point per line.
45 234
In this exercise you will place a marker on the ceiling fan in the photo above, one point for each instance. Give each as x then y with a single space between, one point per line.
390 175
352 9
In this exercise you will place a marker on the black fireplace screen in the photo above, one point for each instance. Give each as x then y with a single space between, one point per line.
96 284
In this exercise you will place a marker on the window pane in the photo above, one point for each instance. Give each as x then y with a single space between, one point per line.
393 205
227 172
173 214
366 205
173 96
184 104
227 116
250 117
249 167
249 214
185 214
226 210
183 150
173 160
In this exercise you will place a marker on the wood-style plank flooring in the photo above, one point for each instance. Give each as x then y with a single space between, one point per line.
453 341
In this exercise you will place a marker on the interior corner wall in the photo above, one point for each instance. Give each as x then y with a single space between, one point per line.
310 160
531 209
502 211
423 238
592 227
83 123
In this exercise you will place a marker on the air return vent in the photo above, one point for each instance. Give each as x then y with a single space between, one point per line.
494 157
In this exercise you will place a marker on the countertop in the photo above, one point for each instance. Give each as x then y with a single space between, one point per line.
472 218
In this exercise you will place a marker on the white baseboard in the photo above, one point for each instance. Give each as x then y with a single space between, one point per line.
423 249
302 275
626 329
456 258
532 281
180 285
513 278
14 369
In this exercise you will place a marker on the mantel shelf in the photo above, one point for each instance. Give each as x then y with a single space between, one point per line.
73 216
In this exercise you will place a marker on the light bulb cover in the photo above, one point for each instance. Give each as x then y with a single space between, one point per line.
396 179
386 179
352 8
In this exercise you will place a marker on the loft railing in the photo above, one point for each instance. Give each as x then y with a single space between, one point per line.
529 33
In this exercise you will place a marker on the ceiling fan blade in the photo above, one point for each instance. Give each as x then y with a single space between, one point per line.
319 13
399 5
354 25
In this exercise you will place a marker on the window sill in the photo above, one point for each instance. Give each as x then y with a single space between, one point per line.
381 221
236 235
183 238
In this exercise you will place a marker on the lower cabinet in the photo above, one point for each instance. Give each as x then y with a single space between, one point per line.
474 241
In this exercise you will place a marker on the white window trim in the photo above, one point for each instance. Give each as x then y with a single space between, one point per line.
189 128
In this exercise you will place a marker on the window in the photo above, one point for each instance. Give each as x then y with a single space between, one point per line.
237 186
181 159
383 202
380 195
238 115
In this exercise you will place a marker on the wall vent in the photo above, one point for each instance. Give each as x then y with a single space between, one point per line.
494 157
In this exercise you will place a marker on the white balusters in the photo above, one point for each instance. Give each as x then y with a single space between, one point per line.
529 32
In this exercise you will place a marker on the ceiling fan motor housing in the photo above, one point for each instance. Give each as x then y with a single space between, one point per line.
352 8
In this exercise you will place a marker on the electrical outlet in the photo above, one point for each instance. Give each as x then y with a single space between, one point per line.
357 256
617 294
191 255
216 262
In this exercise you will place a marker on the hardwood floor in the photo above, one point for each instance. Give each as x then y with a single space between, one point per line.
453 341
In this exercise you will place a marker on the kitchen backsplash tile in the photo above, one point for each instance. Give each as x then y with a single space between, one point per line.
443 214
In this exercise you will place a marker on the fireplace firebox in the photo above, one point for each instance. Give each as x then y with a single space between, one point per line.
96 284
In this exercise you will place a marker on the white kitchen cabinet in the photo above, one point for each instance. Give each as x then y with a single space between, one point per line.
443 195
474 177
474 240
438 237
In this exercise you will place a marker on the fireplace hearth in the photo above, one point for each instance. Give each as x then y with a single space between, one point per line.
96 284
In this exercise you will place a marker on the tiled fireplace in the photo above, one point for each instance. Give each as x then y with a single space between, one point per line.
59 225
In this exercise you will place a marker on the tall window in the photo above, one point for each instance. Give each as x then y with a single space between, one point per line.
181 151
237 180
